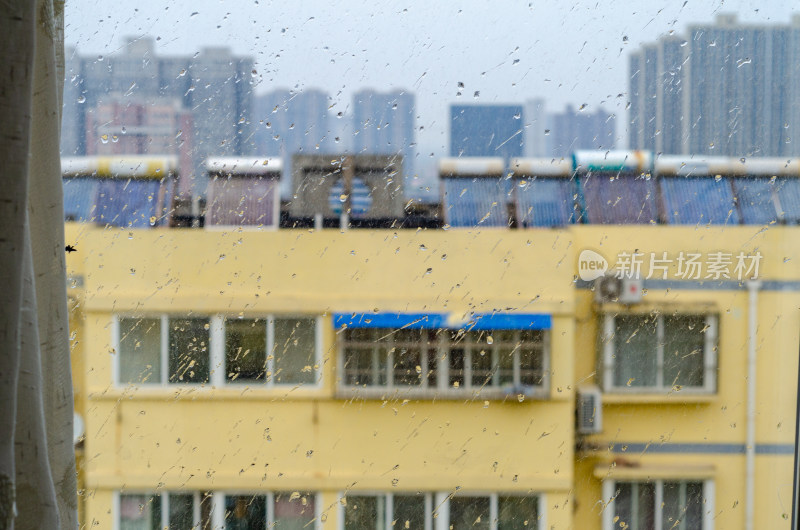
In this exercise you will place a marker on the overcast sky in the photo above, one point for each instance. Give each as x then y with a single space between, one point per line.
566 52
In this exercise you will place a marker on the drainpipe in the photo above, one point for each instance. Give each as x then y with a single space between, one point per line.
750 448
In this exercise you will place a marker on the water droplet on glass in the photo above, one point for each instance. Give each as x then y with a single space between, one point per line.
342 197
546 132
124 130
104 138
152 220
717 178
81 99
489 339
477 94
114 138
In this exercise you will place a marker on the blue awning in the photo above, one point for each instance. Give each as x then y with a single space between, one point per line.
478 321
486 321
390 320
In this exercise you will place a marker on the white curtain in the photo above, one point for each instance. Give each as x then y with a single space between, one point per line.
37 459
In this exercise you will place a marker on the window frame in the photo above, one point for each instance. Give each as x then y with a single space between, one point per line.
220 496
710 355
217 499
439 502
442 388
217 358
610 497
164 495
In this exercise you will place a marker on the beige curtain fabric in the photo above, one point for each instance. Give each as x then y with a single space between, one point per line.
37 459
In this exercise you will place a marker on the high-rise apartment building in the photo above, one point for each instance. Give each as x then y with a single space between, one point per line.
487 130
290 122
723 89
576 129
383 123
214 85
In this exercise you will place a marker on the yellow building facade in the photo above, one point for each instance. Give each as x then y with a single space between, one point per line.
430 378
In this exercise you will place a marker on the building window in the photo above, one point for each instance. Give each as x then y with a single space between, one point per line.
420 510
188 350
272 350
186 511
180 350
656 352
280 510
147 511
659 504
163 349
445 360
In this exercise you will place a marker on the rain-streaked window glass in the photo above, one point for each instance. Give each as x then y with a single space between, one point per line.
470 513
657 352
282 510
139 512
245 512
365 512
444 360
295 350
172 511
246 350
236 179
659 504
188 350
140 350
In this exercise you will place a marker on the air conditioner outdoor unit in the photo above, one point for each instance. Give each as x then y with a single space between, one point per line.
589 410
615 289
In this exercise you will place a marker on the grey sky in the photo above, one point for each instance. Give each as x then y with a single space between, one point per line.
567 52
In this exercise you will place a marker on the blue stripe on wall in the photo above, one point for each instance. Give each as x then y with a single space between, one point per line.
700 448
708 285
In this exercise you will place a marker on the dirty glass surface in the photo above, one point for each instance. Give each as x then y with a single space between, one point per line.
422 266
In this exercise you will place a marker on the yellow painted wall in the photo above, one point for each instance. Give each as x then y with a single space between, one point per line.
206 438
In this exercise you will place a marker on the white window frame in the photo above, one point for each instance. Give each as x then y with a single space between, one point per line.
163 354
219 498
164 497
439 502
216 351
443 387
610 491
710 356
219 355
